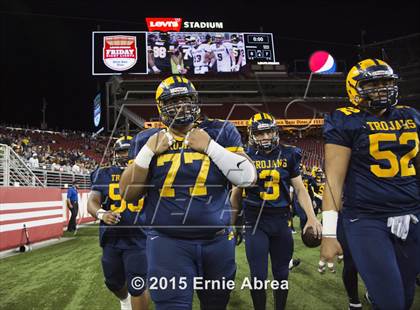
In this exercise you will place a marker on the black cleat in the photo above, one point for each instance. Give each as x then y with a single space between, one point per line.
295 263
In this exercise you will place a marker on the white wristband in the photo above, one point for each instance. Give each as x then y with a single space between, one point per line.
329 224
155 68
100 214
144 157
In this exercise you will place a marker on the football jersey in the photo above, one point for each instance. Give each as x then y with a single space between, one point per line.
274 173
186 56
222 54
319 189
238 49
199 54
381 178
189 196
127 232
310 184
162 52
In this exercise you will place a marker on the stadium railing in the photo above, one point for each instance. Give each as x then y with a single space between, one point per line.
14 171
62 179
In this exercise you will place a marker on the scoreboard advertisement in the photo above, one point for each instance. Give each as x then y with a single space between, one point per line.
200 52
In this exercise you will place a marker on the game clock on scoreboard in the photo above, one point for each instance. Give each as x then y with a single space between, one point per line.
259 47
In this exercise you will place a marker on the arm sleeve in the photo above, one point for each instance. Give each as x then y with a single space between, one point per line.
297 157
336 129
69 193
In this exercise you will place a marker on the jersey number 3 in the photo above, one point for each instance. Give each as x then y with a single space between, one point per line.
407 169
273 184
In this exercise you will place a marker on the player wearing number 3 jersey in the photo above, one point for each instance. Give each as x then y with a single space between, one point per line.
122 240
372 151
267 206
186 170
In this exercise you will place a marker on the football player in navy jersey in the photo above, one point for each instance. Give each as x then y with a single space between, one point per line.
318 189
310 184
267 206
372 160
186 171
122 241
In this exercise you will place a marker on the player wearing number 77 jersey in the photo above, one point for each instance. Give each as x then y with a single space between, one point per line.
122 241
372 151
186 170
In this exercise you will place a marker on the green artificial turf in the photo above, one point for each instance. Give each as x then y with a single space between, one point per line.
69 276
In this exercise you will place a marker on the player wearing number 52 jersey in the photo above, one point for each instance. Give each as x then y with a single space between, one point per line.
372 152
186 170
122 241
267 206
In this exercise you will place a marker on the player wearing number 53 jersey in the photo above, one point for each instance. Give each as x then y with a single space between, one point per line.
122 241
372 151
267 206
186 170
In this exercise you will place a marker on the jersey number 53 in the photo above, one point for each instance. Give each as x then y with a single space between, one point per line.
113 194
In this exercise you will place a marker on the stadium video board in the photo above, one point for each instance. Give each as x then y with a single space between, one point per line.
200 52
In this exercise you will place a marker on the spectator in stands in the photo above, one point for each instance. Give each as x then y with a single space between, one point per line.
61 150
55 165
75 168
73 205
33 161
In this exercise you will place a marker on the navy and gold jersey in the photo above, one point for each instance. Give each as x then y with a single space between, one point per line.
274 173
310 184
319 189
106 182
381 179
188 192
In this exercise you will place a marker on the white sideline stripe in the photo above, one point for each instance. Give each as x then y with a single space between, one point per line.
28 215
19 226
30 205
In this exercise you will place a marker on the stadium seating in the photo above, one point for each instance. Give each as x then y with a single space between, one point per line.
66 147
313 151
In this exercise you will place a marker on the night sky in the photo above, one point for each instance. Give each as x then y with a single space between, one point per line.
46 45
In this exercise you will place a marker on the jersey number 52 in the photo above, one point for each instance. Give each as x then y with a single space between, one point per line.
403 164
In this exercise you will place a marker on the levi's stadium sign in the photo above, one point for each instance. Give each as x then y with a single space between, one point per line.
174 24
163 24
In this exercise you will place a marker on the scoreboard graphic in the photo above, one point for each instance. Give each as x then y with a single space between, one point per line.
140 52
259 47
